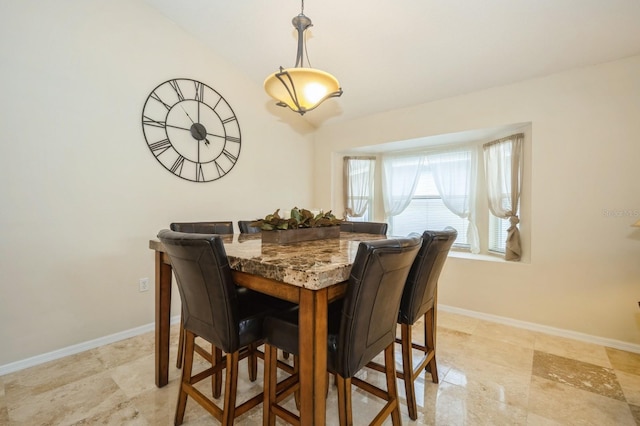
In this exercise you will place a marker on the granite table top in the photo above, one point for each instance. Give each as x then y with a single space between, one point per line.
310 264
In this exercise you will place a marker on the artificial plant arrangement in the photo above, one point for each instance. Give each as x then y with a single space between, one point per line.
300 218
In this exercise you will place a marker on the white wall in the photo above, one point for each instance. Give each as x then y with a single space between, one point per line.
81 192
584 270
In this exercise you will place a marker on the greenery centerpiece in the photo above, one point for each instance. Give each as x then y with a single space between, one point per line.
301 225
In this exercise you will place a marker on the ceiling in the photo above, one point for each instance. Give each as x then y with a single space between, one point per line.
390 54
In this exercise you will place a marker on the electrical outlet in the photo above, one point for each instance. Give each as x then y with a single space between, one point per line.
144 284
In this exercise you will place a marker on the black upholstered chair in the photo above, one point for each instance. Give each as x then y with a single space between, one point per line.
214 310
364 227
222 227
216 227
374 291
419 300
246 228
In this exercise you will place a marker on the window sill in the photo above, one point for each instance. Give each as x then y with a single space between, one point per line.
482 257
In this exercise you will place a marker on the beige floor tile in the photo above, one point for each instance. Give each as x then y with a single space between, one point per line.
630 384
568 348
506 334
158 406
124 413
4 413
581 375
492 381
508 355
50 376
138 376
68 404
624 361
536 420
568 405
127 350
456 322
635 411
449 342
456 405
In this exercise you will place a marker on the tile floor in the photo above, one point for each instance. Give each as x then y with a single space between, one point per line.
490 374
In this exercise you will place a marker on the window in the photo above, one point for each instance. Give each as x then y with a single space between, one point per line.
466 186
497 233
358 188
433 190
426 210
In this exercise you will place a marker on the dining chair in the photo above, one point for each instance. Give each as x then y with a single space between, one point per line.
246 228
220 227
364 227
216 227
419 300
374 291
217 312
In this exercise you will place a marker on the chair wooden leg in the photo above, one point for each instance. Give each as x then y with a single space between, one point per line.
296 370
180 356
392 389
186 378
430 342
230 389
216 379
407 370
253 362
345 412
270 383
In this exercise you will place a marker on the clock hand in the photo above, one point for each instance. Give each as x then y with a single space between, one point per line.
185 111
202 137
206 141
177 127
215 136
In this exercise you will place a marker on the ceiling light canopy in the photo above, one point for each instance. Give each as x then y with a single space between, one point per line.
301 88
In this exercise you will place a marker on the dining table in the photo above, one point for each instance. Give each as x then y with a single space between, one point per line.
309 273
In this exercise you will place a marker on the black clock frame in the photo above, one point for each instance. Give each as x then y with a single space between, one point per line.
191 130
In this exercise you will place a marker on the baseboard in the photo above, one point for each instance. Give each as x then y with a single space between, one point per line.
91 344
588 338
80 347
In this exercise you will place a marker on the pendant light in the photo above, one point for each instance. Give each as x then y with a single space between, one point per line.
301 88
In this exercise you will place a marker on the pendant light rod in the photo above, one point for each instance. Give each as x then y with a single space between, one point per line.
301 23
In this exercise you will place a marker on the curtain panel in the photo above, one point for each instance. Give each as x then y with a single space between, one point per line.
454 173
357 183
400 174
503 169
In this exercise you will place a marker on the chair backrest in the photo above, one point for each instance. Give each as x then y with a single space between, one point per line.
420 289
208 293
364 227
223 227
246 228
370 309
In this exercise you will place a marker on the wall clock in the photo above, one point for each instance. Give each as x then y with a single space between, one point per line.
191 130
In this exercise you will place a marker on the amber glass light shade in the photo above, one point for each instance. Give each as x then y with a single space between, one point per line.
301 89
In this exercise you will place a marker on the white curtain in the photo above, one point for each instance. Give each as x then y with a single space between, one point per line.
454 174
503 169
399 179
357 184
